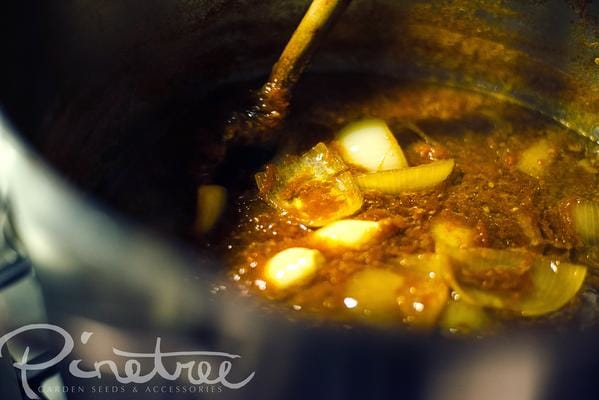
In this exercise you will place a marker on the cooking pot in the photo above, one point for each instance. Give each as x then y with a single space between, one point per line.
98 169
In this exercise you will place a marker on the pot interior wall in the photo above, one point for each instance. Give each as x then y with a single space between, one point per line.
111 92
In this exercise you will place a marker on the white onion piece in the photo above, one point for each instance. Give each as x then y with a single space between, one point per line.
370 144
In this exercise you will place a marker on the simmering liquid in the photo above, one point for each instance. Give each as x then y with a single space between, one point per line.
515 192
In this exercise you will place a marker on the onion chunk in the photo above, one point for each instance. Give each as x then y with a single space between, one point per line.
370 144
413 290
408 179
374 292
427 276
315 189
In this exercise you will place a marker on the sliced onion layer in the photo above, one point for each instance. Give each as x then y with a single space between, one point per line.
515 280
555 284
408 179
586 221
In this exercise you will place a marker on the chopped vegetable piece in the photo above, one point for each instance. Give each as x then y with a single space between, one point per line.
370 144
515 280
450 235
464 318
408 179
292 267
425 291
492 269
348 233
434 265
211 203
536 158
315 188
554 285
374 292
586 221
415 291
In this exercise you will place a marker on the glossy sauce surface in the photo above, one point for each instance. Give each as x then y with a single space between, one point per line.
486 192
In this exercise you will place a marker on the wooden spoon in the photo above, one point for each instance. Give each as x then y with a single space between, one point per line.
258 123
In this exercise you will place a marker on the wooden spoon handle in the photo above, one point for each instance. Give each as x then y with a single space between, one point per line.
259 123
320 16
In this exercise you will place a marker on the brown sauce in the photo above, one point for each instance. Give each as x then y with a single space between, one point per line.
504 207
